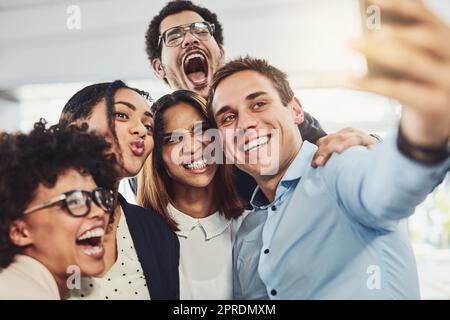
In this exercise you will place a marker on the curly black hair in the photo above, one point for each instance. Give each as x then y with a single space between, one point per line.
173 7
28 160
81 104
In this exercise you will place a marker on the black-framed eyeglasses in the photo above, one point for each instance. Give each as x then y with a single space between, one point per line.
173 37
78 202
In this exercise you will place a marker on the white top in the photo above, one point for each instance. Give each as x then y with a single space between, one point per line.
126 191
206 259
124 281
27 279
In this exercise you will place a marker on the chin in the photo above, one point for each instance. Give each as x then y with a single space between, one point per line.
266 170
203 92
91 266
197 182
131 171
93 270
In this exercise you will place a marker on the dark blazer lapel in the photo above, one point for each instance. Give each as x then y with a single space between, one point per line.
140 233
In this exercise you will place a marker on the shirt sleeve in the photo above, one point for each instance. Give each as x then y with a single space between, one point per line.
379 187
237 291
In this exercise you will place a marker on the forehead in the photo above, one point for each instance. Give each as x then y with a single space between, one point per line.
67 180
98 121
235 88
178 19
125 95
181 116
131 96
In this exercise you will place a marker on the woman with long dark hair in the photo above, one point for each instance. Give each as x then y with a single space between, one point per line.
193 193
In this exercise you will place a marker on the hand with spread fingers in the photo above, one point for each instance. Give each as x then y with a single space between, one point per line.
419 53
339 142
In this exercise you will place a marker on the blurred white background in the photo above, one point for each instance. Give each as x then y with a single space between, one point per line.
43 63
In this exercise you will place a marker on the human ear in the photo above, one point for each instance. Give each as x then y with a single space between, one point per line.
297 110
158 69
19 233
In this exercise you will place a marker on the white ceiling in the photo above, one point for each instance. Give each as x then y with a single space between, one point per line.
37 47
307 38
27 4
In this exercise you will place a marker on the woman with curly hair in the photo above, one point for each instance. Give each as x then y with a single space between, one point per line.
141 251
55 200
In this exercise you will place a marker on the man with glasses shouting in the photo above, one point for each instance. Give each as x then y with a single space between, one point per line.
55 203
185 47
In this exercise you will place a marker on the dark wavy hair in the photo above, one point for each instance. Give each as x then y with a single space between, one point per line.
154 183
80 106
174 7
28 160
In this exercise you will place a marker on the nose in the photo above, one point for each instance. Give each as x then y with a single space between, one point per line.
193 146
96 211
246 121
189 40
138 128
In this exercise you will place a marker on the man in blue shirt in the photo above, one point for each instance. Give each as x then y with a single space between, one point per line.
337 232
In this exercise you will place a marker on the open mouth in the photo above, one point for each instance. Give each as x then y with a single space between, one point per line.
138 148
196 166
91 242
255 144
195 67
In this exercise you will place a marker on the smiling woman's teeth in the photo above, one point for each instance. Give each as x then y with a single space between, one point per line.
98 232
199 164
93 250
90 242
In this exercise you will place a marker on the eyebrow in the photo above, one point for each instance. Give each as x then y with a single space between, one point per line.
132 107
203 123
251 96
182 26
222 110
255 95
168 134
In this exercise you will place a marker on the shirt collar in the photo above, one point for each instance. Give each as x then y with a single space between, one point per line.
296 170
212 225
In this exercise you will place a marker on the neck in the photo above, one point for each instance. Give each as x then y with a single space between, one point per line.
269 184
110 239
60 279
195 202
61 283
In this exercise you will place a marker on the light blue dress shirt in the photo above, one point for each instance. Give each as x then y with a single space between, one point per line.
337 232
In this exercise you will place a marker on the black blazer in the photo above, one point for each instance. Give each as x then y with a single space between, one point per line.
157 248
